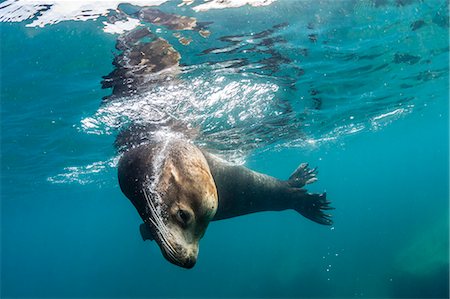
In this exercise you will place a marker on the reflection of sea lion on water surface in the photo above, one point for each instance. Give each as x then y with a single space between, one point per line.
177 187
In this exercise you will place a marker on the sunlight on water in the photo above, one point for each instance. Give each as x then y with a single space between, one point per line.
218 105
289 84
92 173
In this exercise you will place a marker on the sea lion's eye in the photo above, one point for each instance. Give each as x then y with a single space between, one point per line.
184 217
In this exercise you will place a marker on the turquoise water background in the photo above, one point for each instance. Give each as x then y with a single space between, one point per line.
68 231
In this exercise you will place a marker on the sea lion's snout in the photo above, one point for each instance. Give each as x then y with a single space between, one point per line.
180 255
189 263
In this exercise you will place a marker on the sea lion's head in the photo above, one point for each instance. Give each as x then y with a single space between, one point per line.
175 194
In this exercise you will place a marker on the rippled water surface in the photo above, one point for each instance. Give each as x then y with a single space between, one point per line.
359 88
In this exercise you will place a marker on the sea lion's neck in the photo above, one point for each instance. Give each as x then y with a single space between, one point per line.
242 191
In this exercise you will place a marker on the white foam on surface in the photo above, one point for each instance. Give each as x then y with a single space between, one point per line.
120 27
221 4
47 12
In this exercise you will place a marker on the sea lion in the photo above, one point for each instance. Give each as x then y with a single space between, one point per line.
178 188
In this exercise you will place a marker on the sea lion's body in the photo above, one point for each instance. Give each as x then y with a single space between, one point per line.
178 189
243 191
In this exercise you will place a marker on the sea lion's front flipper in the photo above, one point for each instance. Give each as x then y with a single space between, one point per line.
302 176
146 234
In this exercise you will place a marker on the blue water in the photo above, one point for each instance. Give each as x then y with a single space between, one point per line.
377 127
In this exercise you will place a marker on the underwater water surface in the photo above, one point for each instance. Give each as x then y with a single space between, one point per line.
357 88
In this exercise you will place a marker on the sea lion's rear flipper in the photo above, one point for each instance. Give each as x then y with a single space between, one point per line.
302 176
145 232
312 206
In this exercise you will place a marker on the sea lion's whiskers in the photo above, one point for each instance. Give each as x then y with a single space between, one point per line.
158 220
163 233
161 228
166 242
169 247
170 250
154 212
155 215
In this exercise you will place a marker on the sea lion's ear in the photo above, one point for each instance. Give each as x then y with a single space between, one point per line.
145 232
175 174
